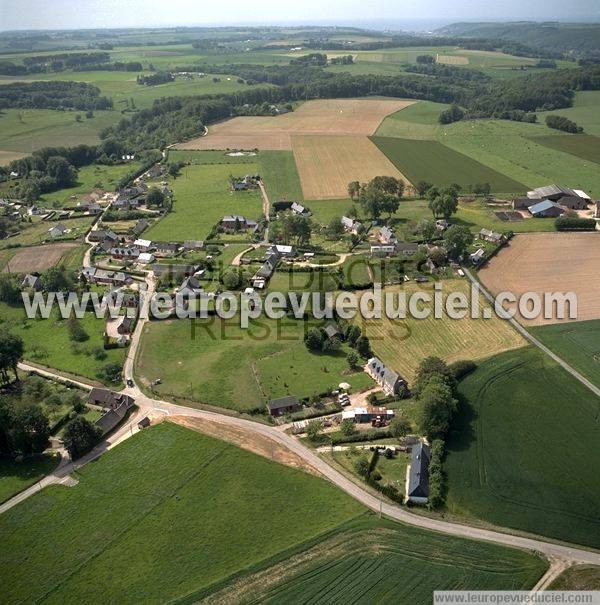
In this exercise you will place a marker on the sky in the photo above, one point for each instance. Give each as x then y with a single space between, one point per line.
73 14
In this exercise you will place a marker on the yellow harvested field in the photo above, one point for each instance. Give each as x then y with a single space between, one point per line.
452 60
403 344
38 258
6 157
549 262
326 164
327 116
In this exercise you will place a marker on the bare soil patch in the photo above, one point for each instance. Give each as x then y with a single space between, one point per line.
326 164
549 262
452 60
37 258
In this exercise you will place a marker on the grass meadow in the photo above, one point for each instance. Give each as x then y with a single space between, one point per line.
577 343
202 198
36 232
179 511
584 146
279 173
216 362
17 476
523 451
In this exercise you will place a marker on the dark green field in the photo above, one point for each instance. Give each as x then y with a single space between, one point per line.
584 146
578 343
435 163
524 452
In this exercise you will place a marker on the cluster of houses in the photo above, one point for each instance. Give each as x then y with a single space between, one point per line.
485 235
552 201
274 255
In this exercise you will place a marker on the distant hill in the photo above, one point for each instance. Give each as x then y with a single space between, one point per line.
569 38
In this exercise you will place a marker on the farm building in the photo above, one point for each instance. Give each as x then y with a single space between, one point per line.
574 202
193 245
417 474
145 257
545 209
173 271
140 227
282 250
351 225
117 410
387 379
103 235
551 192
143 244
190 287
120 298
57 230
166 248
522 203
32 281
283 405
407 248
488 235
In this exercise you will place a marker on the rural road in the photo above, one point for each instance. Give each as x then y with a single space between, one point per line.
266 211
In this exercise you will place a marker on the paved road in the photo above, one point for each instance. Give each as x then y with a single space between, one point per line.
532 339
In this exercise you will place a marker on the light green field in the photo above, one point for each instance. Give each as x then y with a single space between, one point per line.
585 111
523 451
47 342
584 146
25 130
216 362
278 170
198 511
202 198
36 232
417 121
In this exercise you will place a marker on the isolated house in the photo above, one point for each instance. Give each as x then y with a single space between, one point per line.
300 209
32 281
57 230
490 236
350 225
386 378
283 405
417 488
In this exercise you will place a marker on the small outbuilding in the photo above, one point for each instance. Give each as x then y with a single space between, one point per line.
283 405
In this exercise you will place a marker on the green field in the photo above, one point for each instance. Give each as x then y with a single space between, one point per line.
47 342
578 343
202 198
585 111
524 449
378 561
17 476
584 146
435 163
216 362
278 170
36 232
417 121
178 511
578 577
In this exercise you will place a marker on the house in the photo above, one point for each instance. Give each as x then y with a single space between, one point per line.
551 192
488 235
442 224
121 298
283 405
477 256
145 257
417 474
300 209
281 250
143 244
166 248
115 413
125 253
248 182
386 236
383 249
140 227
267 269
545 209
125 325
153 172
106 398
407 248
103 235
173 271
351 225
386 378
234 223
190 287
32 281
193 245
126 203
133 191
57 230
332 331
102 276
36 211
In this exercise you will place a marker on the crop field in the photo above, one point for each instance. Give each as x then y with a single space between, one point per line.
280 175
584 146
38 258
452 59
192 516
578 343
417 121
434 162
324 117
552 262
326 164
25 130
377 561
404 343
523 452
202 198
217 362
47 342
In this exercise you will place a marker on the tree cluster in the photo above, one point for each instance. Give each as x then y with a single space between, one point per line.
562 123
53 94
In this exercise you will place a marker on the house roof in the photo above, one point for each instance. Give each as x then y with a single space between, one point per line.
541 206
406 246
418 476
386 375
283 402
549 191
332 330
142 243
387 233
109 398
31 281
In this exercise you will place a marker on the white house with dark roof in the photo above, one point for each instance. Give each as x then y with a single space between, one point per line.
32 281
390 381
350 225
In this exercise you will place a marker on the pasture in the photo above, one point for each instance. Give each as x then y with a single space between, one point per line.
320 117
36 232
326 164
404 343
38 258
217 362
417 121
192 516
578 343
584 146
280 175
523 450
550 262
17 476
435 163
371 560
585 111
202 197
